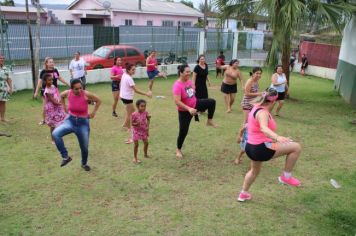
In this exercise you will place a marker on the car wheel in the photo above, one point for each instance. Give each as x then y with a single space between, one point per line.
98 67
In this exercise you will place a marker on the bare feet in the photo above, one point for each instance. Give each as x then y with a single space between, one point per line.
211 123
136 161
125 128
129 141
4 120
179 154
147 156
228 111
237 161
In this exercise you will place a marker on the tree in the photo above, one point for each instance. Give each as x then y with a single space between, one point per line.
209 7
9 3
187 3
285 18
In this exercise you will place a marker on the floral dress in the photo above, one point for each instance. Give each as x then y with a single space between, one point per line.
55 114
4 76
140 132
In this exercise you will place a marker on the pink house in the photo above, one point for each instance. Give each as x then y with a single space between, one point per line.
128 12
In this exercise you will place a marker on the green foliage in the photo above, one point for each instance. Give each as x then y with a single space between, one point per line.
286 18
9 3
166 196
187 3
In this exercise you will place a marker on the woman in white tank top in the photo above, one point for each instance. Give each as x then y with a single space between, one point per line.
279 83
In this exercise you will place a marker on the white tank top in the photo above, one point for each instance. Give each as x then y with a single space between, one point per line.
280 79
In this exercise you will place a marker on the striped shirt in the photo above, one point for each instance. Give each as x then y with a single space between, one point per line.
246 101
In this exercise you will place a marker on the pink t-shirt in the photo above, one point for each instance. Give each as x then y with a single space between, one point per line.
186 92
152 61
78 105
254 133
126 90
117 70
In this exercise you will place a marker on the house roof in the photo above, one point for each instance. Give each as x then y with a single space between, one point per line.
148 6
20 9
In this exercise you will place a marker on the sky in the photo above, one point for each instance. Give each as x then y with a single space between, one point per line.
196 2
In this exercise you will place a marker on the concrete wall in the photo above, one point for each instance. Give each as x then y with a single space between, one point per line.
322 72
23 80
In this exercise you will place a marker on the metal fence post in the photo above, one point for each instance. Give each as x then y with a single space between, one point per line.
201 42
235 44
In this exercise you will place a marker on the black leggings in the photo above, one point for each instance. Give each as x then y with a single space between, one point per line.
185 117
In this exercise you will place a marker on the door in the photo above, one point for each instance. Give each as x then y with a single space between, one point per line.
116 52
133 56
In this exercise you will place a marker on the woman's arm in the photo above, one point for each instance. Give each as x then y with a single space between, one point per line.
52 100
224 67
39 85
262 117
147 64
179 103
148 94
248 86
62 80
95 99
194 78
64 95
9 83
239 76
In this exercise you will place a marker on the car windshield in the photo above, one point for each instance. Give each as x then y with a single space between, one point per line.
101 52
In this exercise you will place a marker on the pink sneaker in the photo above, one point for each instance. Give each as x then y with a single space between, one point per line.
291 181
244 197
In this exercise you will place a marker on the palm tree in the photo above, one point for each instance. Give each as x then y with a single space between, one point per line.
285 17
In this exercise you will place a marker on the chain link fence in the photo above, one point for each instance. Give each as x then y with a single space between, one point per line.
172 44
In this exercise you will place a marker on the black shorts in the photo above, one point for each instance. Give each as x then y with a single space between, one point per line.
115 86
227 88
281 96
259 152
126 101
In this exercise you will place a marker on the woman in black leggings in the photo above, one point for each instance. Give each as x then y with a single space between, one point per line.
188 105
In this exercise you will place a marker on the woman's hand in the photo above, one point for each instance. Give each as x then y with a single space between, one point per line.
192 111
149 94
92 115
281 139
10 91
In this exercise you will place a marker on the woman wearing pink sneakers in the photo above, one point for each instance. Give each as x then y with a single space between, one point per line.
264 144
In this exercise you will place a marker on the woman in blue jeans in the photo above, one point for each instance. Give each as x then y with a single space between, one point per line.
77 121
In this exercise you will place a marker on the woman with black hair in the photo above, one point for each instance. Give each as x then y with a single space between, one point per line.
263 144
188 105
305 64
77 121
279 83
229 84
127 91
200 77
116 74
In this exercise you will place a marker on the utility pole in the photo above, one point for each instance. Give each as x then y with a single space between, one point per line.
31 48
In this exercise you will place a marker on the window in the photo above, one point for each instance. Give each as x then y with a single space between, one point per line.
167 23
69 22
149 23
132 52
186 24
101 52
128 22
117 53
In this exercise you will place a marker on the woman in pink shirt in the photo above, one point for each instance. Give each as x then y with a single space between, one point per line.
77 121
152 71
116 74
127 92
188 105
263 144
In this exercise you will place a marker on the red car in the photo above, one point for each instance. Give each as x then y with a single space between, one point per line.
103 57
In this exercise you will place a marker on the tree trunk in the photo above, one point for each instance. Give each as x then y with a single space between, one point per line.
285 63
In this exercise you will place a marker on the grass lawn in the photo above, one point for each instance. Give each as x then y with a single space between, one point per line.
166 196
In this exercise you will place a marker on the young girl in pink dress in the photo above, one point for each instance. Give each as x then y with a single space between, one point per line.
54 110
140 128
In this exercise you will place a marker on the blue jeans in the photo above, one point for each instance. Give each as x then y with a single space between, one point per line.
78 126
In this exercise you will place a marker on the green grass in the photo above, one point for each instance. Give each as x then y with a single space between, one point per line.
166 196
